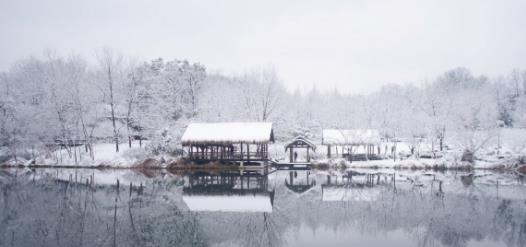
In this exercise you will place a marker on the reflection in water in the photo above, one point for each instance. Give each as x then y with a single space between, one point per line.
284 208
300 185
228 192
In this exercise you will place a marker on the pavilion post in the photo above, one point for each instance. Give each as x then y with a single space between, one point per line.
367 152
248 152
241 151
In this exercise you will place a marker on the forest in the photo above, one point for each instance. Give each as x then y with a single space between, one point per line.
53 100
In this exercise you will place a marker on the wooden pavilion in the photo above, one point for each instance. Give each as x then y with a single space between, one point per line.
353 144
243 143
299 142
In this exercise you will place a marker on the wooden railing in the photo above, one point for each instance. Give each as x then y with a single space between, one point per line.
228 156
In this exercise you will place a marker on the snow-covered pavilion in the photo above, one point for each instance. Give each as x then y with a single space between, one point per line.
244 142
299 142
348 141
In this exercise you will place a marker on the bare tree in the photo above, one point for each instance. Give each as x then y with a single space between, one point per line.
111 68
261 91
193 75
271 93
131 98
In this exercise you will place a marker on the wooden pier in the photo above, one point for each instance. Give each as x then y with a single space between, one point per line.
292 165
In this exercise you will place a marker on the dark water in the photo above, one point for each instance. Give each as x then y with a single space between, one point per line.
282 208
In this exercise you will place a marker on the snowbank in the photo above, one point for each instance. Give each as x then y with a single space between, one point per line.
104 155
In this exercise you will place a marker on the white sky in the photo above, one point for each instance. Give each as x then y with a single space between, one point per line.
355 46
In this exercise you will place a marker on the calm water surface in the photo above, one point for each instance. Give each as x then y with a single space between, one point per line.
83 207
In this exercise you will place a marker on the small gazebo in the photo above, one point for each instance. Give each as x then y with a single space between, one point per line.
299 142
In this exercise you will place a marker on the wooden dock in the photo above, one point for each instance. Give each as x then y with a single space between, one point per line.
292 165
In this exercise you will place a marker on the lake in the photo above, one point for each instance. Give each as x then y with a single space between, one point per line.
88 207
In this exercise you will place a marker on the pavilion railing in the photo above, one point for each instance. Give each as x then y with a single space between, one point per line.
228 156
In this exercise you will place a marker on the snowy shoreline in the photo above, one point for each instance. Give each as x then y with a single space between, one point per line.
174 164
142 156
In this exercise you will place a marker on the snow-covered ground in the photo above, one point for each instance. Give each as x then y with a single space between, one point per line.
104 155
503 151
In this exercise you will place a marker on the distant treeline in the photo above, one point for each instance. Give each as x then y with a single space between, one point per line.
51 100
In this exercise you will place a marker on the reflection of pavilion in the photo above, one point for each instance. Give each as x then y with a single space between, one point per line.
228 192
352 187
299 185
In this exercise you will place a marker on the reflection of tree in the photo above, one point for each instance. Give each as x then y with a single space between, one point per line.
260 229
506 224
50 213
452 217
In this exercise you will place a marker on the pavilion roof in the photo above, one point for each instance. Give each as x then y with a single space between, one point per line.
300 139
229 203
231 132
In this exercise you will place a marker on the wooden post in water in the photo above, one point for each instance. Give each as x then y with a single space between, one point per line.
497 188
115 223
394 181
248 152
241 151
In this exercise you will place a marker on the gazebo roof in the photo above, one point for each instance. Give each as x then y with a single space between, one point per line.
300 140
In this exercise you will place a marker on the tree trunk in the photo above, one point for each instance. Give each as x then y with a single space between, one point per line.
112 106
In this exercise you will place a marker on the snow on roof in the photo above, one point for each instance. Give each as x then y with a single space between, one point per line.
350 136
252 132
350 194
228 203
301 139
